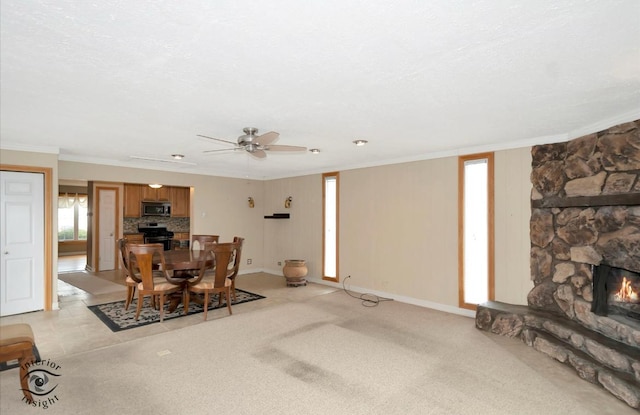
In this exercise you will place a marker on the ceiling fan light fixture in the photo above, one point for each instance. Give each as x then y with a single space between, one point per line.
315 151
360 143
256 145
155 186
177 156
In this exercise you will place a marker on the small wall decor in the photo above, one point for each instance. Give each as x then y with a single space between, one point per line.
251 202
287 202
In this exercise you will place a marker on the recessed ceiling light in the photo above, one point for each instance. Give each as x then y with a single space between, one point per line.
360 142
177 156
315 151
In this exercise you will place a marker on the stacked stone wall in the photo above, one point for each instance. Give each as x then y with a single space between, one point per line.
566 240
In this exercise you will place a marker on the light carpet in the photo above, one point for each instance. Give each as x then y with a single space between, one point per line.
90 283
325 355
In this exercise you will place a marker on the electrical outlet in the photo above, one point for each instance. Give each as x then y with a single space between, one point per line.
249 261
279 263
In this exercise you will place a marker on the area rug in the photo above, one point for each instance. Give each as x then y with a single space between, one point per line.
117 318
90 283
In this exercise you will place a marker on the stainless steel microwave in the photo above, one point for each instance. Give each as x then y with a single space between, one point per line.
156 209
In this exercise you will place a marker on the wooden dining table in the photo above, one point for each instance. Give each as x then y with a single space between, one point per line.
185 259
183 265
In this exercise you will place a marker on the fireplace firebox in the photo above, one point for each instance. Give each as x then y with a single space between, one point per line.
616 291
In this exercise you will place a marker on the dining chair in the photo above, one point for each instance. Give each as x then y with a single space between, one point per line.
198 241
132 280
141 263
233 272
216 282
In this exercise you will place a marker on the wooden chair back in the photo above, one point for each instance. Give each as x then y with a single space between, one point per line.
202 240
141 262
236 258
222 254
122 242
124 258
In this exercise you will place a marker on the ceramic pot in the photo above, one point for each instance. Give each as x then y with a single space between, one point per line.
295 271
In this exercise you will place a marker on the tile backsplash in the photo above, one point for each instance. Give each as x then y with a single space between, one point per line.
173 224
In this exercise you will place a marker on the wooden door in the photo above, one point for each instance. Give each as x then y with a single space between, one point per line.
107 207
21 242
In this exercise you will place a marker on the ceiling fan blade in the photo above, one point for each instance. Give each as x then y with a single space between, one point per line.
267 138
259 154
284 148
217 139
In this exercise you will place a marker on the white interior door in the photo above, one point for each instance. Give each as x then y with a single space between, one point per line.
107 229
21 242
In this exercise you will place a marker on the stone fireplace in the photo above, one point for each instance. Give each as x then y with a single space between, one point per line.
585 260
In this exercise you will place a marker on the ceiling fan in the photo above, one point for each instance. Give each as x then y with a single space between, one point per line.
256 145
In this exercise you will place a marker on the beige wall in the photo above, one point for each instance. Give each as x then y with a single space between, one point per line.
299 237
512 213
399 228
398 223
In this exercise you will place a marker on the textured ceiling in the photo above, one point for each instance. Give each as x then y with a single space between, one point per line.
103 81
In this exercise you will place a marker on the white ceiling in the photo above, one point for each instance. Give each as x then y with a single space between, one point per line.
105 80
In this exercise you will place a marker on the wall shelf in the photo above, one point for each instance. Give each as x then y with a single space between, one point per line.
278 216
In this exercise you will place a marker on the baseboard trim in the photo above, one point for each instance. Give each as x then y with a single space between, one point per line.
403 299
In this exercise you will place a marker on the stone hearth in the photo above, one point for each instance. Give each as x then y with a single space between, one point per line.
585 212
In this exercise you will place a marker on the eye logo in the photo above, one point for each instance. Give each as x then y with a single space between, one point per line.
39 382
41 379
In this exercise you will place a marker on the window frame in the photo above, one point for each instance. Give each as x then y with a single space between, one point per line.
489 156
337 225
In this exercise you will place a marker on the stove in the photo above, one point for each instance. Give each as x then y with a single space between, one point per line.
156 233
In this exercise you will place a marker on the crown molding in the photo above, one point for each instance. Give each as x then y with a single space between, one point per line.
28 148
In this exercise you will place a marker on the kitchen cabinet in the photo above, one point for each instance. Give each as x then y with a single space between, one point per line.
162 194
134 238
180 202
181 240
134 194
181 236
132 197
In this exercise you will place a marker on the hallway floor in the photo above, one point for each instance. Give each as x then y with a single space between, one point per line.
71 263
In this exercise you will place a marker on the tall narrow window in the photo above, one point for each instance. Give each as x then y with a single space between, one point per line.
475 230
330 226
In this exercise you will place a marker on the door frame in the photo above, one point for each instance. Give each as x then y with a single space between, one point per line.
48 225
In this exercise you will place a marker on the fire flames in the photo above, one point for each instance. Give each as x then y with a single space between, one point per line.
626 292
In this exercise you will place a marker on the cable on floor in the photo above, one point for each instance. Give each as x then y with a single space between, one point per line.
368 300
